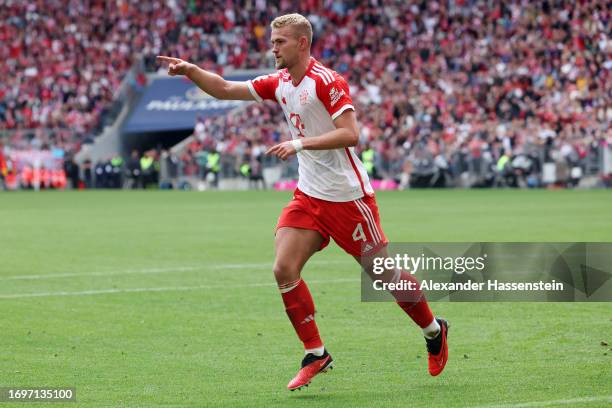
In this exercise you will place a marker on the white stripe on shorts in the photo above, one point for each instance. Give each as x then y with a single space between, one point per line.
371 216
367 219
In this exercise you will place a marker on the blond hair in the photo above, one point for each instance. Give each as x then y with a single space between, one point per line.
300 24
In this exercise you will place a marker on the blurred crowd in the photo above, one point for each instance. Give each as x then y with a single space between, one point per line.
63 62
477 92
480 93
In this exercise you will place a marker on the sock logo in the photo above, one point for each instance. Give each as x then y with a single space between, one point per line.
308 319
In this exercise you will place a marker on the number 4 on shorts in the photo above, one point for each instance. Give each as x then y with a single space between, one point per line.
358 234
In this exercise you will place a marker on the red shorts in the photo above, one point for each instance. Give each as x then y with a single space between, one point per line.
354 225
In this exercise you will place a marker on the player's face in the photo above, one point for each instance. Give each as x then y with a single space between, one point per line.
284 47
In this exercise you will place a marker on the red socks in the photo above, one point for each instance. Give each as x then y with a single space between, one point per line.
414 302
300 309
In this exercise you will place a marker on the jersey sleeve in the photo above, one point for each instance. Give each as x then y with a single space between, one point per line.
264 87
334 94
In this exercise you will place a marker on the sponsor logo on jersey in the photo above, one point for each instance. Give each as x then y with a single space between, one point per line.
335 95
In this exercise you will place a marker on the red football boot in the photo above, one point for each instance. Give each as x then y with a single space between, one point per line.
311 366
437 349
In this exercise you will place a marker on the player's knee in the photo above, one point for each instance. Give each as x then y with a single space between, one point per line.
285 272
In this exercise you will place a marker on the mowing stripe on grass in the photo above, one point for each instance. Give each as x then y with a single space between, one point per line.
162 289
572 401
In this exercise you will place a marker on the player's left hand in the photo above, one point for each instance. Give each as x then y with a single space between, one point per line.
282 150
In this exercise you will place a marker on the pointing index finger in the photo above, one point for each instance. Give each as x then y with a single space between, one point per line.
163 58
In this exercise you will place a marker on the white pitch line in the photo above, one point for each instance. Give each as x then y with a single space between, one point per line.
151 270
572 401
161 289
109 273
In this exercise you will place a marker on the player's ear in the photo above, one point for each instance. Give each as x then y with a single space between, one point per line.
303 42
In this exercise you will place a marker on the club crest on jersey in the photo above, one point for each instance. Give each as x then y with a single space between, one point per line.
335 95
304 97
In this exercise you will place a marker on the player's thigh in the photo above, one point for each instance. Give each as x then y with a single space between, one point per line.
355 226
294 246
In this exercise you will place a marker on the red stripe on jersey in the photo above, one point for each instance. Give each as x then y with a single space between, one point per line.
348 153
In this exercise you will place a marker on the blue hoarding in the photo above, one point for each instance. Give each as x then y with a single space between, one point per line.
173 103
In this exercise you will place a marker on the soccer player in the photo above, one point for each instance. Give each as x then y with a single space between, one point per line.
334 197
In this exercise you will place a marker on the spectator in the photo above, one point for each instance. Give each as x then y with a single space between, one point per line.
459 79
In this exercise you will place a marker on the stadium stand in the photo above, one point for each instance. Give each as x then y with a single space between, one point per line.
468 93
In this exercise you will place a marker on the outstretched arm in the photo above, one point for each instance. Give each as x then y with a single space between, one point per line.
209 82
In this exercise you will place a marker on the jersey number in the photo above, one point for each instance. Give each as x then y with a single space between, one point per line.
358 234
297 123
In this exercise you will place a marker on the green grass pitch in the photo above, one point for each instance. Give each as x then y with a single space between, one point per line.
151 299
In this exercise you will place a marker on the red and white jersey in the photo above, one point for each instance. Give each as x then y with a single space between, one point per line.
310 108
